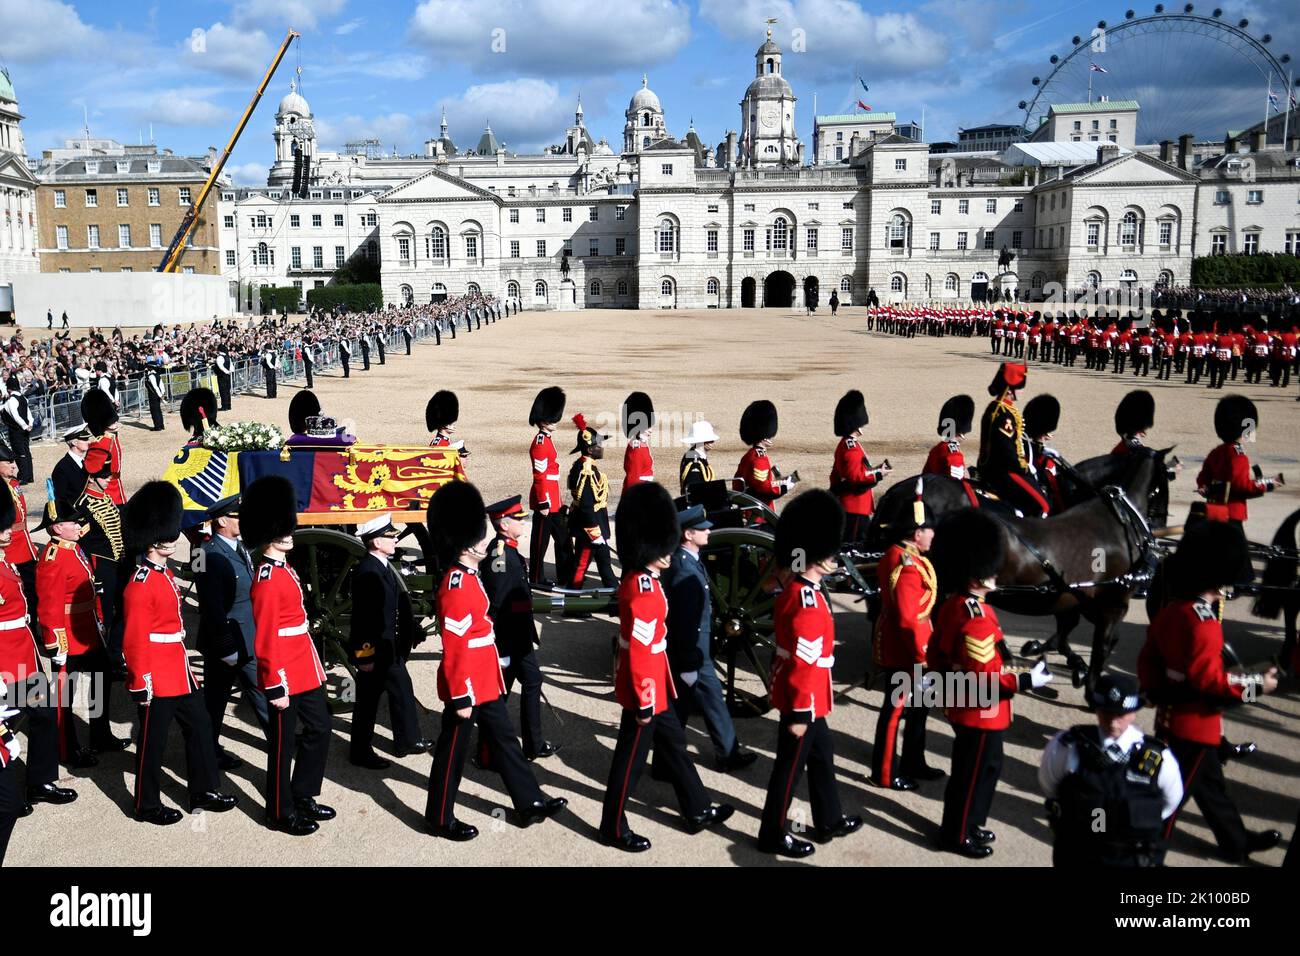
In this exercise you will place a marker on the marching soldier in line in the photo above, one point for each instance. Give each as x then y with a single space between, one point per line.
440 417
908 590
946 457
756 473
1042 416
544 495
589 512
289 671
383 633
226 628
345 356
969 645
198 411
695 467
159 678
648 534
225 369
1226 479
852 476
638 419
102 540
807 543
270 363
153 389
505 578
21 671
1004 462
69 475
1181 670
20 552
470 682
99 412
73 632
1109 770
1134 416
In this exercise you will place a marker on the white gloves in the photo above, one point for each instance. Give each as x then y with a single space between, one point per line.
690 677
60 659
1040 676
14 747
505 662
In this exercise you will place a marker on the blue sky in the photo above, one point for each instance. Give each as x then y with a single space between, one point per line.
387 69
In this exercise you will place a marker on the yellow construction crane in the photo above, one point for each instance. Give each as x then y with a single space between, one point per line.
172 257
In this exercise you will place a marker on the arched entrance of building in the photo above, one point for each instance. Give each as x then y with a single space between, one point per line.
810 292
747 288
979 286
778 290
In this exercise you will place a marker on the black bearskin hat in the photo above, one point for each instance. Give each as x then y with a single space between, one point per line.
548 406
457 521
8 511
757 422
646 526
268 510
198 410
1233 415
809 530
1136 412
302 406
956 416
638 414
153 516
1042 415
1211 555
443 410
850 413
967 547
98 411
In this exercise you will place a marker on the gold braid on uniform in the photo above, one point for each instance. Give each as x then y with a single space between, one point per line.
599 486
914 559
106 514
1019 436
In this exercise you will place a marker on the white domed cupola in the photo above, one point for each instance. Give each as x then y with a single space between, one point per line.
645 120
767 112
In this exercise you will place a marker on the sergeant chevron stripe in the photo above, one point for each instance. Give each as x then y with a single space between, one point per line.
644 631
458 627
808 651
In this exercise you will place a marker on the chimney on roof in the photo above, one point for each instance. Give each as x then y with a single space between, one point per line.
211 160
731 149
1185 151
1258 140
1107 152
1166 151
1229 143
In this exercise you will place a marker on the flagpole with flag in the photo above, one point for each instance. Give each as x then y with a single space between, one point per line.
1290 105
1267 102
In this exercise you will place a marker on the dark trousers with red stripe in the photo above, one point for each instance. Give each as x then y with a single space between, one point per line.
449 756
898 708
93 667
156 719
27 573
11 804
976 767
1203 779
814 751
585 553
297 746
1021 492
671 760
550 527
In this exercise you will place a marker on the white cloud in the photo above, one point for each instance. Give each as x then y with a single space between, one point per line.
299 14
183 108
35 30
402 130
343 29
248 174
228 50
526 114
552 36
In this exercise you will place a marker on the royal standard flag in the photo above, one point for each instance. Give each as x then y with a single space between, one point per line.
203 477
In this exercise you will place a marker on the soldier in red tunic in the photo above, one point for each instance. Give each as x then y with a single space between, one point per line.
1181 670
946 458
440 417
638 419
198 412
969 653
470 683
908 590
289 669
756 475
1226 479
648 533
544 496
99 412
21 553
1042 416
807 543
159 678
852 475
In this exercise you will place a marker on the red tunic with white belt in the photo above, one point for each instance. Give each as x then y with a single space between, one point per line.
852 478
968 641
470 672
1228 483
287 662
153 642
65 588
20 549
545 491
755 470
18 658
946 458
643 681
804 652
638 465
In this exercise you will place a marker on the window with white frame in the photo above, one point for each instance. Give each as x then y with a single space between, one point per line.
1166 234
318 257
92 237
471 248
541 248
263 221
566 214
846 284
815 206
1218 244
316 220
810 239
1293 243
711 240
594 289
340 257
541 214
183 195
666 169
780 234
950 282
962 239
1093 235
1250 243
61 237
1222 197
963 206
620 246
228 222
936 207
262 255
512 289
895 283
593 214
1128 229
989 238
403 248
539 289
666 287
900 165
155 234
124 236
620 212
846 238
123 197
990 205
92 198
230 258
666 239
593 247
294 220
934 242
295 255
338 220
514 215
898 229
514 248
747 240
370 219
1254 197
622 287
1020 206
60 199
436 248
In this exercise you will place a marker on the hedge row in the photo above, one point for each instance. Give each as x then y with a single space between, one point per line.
1220 272
368 297
282 299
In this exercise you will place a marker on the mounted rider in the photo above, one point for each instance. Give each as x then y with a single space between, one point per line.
1005 462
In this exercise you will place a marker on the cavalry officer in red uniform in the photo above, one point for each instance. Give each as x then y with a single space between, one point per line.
99 412
852 475
20 552
544 496
970 654
638 419
589 512
74 633
1042 416
907 590
470 683
1181 670
756 474
1226 479
946 458
440 417
648 533
289 670
21 671
807 544
159 678
1004 460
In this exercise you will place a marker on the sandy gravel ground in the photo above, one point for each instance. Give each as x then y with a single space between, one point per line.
693 364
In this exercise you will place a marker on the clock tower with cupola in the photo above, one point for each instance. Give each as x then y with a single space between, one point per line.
767 113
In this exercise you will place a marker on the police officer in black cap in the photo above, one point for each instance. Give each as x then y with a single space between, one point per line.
1109 786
